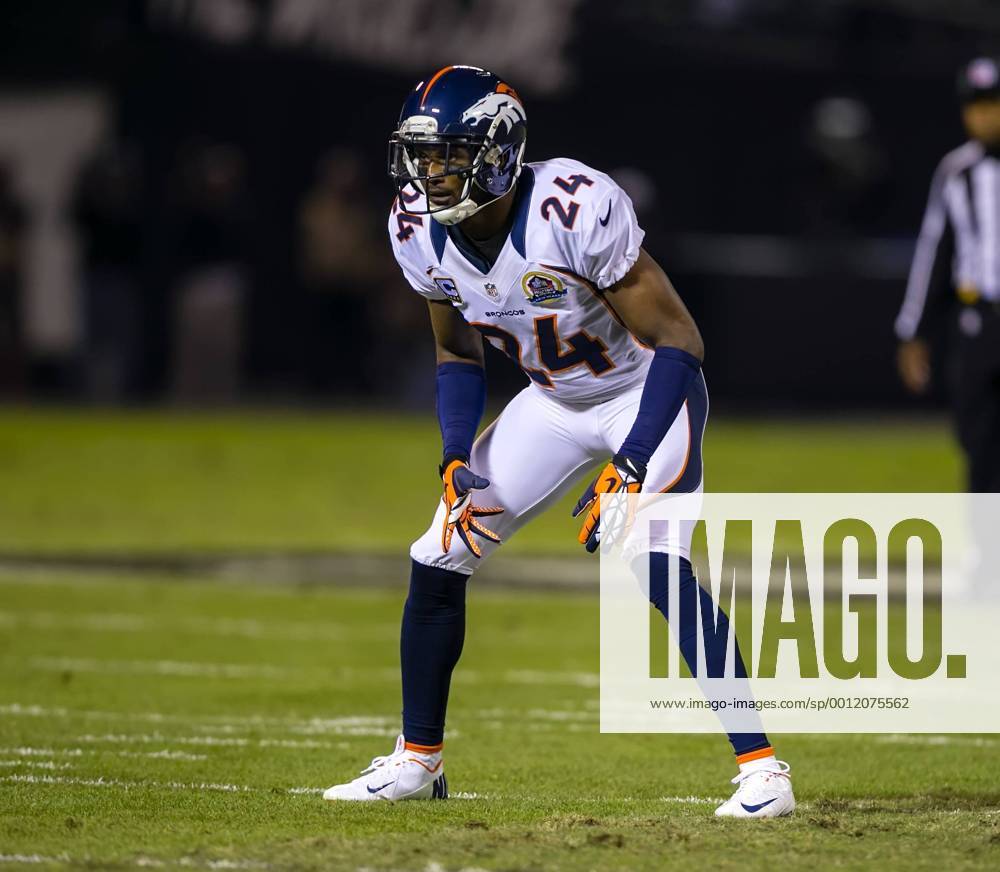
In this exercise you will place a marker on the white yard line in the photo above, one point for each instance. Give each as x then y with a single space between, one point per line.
178 668
110 621
967 741
376 726
164 754
36 764
435 866
311 743
127 785
139 862
172 785
536 676
556 715
193 669
24 751
247 628
693 800
207 741
197 863
344 726
221 722
347 725
535 714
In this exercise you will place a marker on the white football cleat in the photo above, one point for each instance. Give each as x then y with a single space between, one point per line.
400 775
764 791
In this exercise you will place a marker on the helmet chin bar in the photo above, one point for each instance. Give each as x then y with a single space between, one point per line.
465 206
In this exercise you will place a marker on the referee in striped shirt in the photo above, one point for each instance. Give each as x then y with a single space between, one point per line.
955 278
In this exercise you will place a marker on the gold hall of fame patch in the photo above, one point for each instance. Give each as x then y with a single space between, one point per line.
542 287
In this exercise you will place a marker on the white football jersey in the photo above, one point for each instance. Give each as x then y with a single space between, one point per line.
574 235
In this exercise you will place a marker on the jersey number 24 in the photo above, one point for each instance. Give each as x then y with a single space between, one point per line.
583 350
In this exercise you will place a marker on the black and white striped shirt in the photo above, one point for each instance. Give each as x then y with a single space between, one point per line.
959 244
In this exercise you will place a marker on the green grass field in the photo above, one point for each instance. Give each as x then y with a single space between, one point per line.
149 483
163 721
146 722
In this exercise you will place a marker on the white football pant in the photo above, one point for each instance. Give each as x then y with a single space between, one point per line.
538 448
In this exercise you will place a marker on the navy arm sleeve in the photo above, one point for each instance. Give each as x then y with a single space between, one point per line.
461 400
667 384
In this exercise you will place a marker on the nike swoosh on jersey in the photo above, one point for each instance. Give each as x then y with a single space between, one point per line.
384 786
750 809
606 218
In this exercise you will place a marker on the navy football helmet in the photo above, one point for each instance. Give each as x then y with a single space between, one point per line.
461 121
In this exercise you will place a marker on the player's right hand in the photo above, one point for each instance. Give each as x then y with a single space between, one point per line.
459 482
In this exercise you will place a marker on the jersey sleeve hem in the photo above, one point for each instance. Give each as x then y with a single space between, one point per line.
408 252
615 274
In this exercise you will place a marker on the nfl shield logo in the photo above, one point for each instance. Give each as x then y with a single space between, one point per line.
491 289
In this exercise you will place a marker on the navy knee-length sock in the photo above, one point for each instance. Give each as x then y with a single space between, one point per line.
746 745
430 644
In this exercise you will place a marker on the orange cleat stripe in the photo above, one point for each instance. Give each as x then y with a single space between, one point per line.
755 755
428 768
430 84
423 749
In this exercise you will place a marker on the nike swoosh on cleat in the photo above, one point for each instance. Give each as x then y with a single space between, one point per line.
750 809
384 786
604 221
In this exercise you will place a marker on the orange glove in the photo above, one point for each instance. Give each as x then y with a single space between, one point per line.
459 482
621 475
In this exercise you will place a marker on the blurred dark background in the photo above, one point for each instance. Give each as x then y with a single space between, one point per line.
193 196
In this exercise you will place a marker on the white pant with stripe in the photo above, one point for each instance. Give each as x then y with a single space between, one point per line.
538 448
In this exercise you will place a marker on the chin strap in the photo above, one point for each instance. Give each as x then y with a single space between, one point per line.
459 212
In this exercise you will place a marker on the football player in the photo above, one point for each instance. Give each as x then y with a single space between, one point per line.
544 261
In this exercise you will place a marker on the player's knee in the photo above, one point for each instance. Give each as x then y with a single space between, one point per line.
434 590
427 551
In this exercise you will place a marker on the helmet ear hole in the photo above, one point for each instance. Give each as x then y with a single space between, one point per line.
500 168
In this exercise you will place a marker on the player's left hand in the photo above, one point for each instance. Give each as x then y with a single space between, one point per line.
459 482
621 475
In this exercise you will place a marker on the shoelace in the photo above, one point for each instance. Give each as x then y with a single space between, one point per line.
382 761
743 776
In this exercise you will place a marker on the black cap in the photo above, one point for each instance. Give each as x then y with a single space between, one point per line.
980 80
